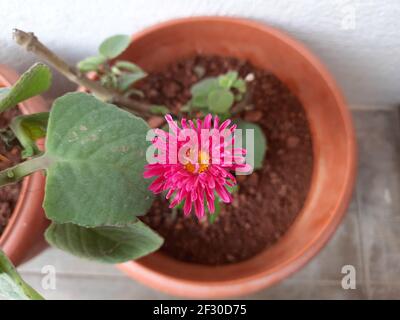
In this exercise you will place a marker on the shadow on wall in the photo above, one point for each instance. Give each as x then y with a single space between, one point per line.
366 73
358 41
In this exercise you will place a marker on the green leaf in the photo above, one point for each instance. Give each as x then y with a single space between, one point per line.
12 286
186 108
232 189
224 116
125 81
200 101
109 80
165 127
127 66
33 82
91 63
159 109
133 91
114 46
105 244
212 217
239 97
220 100
96 154
204 87
180 205
240 85
201 90
28 129
227 80
260 142
4 92
116 70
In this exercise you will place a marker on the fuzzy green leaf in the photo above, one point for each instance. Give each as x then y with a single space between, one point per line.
260 142
28 129
105 244
220 100
227 80
127 66
109 80
200 101
114 46
116 71
240 85
4 92
33 82
12 286
96 154
204 87
125 81
91 63
133 92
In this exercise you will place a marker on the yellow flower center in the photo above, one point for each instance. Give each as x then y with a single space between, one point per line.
203 160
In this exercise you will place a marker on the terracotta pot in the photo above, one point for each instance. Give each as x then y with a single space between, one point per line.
333 143
23 237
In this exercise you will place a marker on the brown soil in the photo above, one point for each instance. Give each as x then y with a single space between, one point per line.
269 200
8 157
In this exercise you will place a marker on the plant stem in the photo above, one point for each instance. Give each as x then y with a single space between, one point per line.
10 274
30 42
244 104
16 173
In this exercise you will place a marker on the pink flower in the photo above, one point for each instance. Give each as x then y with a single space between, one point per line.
193 163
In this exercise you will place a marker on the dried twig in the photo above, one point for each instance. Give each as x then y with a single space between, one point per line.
244 104
30 42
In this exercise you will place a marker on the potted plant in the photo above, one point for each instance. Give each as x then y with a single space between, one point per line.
256 77
93 151
22 221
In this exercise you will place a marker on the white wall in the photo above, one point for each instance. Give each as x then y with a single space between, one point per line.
358 40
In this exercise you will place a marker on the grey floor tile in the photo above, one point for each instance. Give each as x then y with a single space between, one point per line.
343 248
74 287
118 287
321 278
305 290
368 238
378 193
381 241
67 264
386 291
378 179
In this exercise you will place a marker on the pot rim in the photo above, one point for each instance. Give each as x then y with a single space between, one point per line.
252 283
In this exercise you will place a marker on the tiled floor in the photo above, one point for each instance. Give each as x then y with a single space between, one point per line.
368 239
